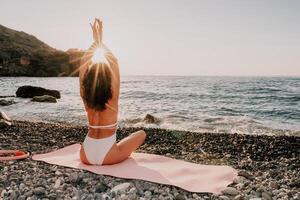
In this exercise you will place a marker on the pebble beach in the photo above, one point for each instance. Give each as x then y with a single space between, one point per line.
215 85
268 165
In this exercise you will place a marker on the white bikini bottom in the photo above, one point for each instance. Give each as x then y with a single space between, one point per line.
96 149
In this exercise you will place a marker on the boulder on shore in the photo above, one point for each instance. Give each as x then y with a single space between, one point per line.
44 98
28 91
150 119
4 102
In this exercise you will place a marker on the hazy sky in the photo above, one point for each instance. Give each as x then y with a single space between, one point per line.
172 37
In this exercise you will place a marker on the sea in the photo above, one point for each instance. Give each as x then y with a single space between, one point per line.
243 105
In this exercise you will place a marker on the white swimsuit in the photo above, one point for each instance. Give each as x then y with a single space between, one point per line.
96 149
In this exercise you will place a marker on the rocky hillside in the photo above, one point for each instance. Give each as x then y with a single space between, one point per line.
22 54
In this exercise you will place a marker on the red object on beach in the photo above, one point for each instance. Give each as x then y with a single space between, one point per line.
17 154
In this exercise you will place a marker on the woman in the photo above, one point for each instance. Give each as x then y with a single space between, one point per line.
99 88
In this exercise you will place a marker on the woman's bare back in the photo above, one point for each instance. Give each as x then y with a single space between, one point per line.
118 151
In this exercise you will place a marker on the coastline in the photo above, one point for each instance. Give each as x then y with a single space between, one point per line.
231 105
268 165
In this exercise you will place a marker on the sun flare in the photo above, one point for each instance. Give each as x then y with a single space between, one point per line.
99 56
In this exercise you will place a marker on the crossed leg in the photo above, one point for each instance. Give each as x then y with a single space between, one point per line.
120 151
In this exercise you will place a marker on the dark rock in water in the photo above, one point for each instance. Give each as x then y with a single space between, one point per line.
150 119
28 91
44 98
4 102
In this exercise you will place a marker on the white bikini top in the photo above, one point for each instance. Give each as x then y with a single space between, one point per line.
110 126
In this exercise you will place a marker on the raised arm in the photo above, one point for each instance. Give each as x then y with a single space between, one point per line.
97 28
86 59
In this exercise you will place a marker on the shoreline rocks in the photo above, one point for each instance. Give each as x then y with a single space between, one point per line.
44 98
28 91
4 102
150 119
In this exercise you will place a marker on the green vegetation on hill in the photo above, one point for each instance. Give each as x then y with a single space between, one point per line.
22 54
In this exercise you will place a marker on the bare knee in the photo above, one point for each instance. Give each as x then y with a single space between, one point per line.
141 134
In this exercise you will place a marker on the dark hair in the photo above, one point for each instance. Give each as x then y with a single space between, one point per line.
97 86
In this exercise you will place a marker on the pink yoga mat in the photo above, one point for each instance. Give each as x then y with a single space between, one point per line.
150 167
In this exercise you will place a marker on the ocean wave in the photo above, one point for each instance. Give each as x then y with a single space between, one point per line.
227 124
216 104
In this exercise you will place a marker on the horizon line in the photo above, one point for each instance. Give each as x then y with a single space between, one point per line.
187 75
161 75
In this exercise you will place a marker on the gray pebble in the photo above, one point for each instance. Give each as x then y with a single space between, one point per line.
3 193
179 197
101 187
140 192
22 186
240 186
33 198
39 191
124 197
89 197
224 197
246 174
148 194
106 197
52 196
230 191
132 190
97 196
57 183
121 188
29 193
238 197
22 197
274 185
73 177
266 196
239 179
